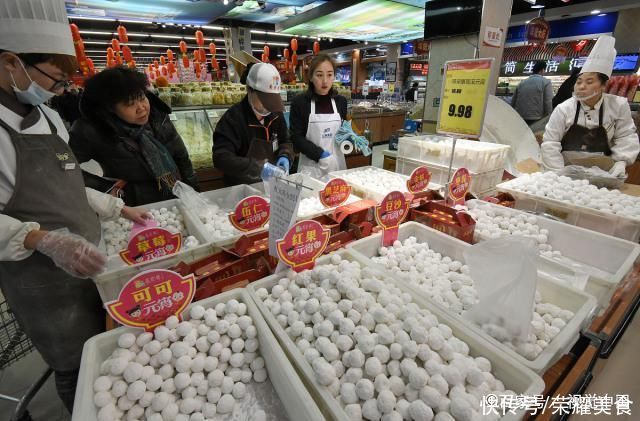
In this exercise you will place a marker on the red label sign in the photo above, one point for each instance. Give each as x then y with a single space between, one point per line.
335 193
419 180
458 187
303 244
149 244
150 297
250 213
537 31
389 214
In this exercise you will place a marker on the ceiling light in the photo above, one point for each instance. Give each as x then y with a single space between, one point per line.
330 39
539 4
366 43
595 12
91 18
164 26
96 32
170 24
144 22
459 8
602 14
226 2
278 44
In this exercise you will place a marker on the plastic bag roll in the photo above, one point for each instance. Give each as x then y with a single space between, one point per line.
346 147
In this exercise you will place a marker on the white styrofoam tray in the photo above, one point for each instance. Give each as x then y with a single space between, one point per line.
581 216
606 259
476 156
514 375
480 182
366 192
115 262
580 303
282 396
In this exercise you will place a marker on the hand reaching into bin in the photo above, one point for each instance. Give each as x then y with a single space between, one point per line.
71 253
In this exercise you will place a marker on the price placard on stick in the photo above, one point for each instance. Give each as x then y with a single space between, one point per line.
465 90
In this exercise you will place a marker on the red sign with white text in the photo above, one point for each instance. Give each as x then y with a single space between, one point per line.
150 297
389 214
250 213
335 193
419 180
458 187
151 243
303 244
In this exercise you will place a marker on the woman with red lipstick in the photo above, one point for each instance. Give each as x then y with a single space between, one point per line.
126 129
315 119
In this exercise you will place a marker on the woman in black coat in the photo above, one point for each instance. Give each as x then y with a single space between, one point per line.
127 130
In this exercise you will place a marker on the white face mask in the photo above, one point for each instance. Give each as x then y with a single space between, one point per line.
586 96
261 114
34 95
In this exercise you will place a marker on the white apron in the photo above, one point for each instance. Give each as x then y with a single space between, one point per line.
322 131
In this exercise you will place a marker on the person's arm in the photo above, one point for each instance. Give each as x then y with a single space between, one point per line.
548 98
625 138
80 141
551 148
226 153
180 155
342 107
299 120
107 207
13 238
514 98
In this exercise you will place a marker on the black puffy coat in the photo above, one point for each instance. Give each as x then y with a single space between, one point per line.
95 137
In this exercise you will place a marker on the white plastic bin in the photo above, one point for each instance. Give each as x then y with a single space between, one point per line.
313 194
580 303
366 192
589 218
513 374
282 396
115 262
476 156
480 182
606 259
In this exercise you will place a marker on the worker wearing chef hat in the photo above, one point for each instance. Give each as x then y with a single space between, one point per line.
49 225
592 128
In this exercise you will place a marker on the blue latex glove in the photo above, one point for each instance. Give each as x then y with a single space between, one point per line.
325 154
283 162
346 133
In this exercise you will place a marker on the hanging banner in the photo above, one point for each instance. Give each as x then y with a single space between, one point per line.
335 193
458 187
419 180
537 31
250 213
151 243
147 299
464 97
303 244
389 214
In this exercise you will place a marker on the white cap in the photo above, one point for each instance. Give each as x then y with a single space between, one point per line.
602 56
265 79
35 26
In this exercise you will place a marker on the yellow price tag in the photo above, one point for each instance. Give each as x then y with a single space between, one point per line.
464 97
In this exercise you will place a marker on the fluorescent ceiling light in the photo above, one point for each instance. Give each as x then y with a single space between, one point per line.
96 32
595 12
279 44
144 22
213 28
91 18
602 14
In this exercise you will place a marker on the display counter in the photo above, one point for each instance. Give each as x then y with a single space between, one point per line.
382 123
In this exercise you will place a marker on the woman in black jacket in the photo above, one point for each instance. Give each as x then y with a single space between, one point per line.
315 119
127 130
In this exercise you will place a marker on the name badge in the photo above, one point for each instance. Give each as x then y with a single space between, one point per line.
69 166
274 142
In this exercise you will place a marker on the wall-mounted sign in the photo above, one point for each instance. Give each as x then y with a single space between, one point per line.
418 69
623 63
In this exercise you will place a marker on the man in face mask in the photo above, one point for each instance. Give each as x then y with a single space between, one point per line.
592 128
253 132
49 222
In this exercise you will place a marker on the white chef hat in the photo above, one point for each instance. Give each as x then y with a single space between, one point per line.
35 26
602 56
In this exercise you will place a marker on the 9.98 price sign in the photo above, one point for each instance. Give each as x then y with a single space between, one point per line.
465 91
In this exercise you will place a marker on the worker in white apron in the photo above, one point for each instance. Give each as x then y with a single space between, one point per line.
315 119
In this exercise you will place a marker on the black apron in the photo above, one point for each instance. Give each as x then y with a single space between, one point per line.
579 139
57 311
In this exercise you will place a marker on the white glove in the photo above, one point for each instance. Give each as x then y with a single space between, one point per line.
619 169
323 162
72 253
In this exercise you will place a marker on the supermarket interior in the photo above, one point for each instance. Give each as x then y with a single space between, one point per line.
319 210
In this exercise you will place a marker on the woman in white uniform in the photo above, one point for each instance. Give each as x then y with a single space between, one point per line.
315 119
592 128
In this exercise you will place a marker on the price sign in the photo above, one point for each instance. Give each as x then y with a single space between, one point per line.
151 243
458 187
419 180
303 244
464 97
250 213
365 90
147 299
389 214
335 193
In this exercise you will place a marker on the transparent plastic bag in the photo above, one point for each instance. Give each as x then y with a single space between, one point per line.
595 175
191 198
505 276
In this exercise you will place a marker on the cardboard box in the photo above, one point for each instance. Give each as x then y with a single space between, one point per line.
502 199
458 224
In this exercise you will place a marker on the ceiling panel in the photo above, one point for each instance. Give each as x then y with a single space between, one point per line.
371 20
274 12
